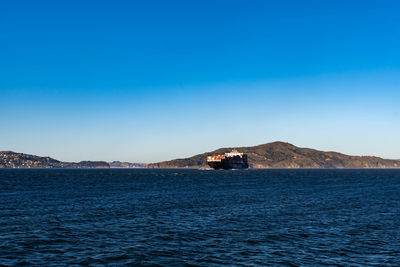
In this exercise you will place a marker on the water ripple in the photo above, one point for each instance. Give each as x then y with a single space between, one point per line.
200 218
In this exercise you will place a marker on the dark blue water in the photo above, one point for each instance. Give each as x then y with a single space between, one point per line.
194 217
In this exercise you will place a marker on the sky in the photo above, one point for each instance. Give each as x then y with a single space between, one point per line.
145 81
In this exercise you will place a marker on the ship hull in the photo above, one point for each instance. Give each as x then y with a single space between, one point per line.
229 163
215 165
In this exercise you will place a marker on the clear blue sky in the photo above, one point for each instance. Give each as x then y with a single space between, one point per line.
155 80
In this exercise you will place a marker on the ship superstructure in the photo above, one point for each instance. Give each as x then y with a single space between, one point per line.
232 160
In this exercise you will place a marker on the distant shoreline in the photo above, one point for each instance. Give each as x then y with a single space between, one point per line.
200 169
276 155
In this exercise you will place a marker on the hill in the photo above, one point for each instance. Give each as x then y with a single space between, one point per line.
10 159
285 155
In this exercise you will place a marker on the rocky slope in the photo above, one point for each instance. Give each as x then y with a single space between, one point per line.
285 155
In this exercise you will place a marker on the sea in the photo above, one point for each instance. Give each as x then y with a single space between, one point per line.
186 217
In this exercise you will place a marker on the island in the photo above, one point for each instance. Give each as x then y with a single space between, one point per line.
284 155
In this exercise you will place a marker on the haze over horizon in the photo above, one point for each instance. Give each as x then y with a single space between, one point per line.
157 80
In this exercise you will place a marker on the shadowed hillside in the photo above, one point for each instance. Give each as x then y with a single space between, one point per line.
285 155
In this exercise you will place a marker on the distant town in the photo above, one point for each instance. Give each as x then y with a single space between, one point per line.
9 159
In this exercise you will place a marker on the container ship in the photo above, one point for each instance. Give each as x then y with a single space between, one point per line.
232 160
